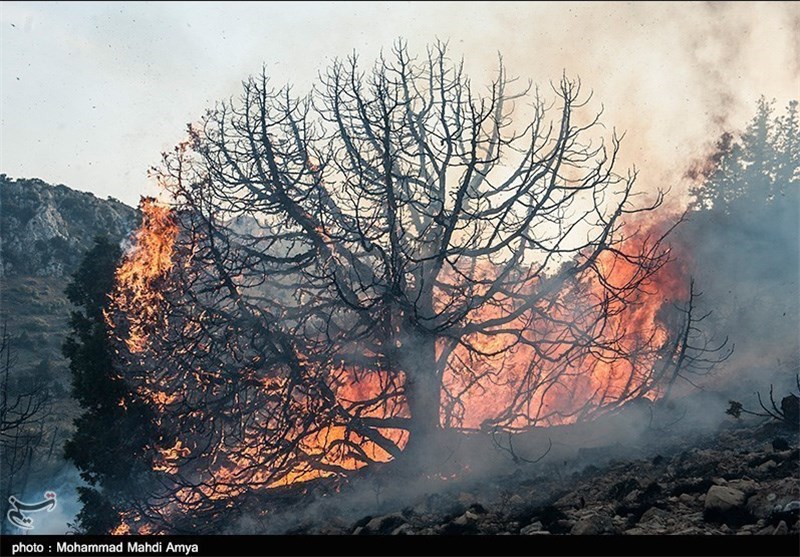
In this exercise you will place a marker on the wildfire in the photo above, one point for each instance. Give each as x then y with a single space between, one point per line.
541 376
148 262
560 380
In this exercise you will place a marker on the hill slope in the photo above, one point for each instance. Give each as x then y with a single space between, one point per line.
45 232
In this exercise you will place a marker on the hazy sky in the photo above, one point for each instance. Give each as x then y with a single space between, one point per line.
92 93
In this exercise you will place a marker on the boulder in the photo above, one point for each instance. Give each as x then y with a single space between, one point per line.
781 529
464 524
592 525
403 530
383 524
532 529
725 504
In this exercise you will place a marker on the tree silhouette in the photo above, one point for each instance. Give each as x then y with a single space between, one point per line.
25 408
742 239
342 275
108 442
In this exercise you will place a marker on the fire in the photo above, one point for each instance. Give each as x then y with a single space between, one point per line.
544 376
149 261
561 380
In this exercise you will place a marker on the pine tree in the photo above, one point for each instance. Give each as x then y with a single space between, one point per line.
111 433
742 231
787 146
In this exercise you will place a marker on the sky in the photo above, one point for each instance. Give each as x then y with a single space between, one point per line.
93 92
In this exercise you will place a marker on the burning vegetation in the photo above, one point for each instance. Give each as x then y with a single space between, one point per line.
336 283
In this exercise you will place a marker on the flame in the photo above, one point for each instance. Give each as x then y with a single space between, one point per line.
484 373
628 336
148 262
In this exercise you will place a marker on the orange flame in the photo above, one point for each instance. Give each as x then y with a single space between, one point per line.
148 262
565 383
561 382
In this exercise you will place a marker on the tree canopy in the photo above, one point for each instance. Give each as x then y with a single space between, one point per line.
342 275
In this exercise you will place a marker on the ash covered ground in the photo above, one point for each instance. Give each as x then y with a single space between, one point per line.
742 478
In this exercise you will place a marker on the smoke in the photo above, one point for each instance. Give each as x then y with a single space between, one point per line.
479 468
64 482
672 75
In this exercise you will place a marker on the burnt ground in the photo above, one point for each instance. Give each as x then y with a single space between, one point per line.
742 479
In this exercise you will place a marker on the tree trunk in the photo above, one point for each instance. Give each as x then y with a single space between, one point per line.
423 391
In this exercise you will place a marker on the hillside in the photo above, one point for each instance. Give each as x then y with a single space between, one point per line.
45 231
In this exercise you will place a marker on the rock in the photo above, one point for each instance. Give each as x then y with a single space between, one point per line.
780 444
761 505
464 524
383 524
403 530
766 466
766 531
592 525
466 518
783 455
358 530
723 498
725 504
477 508
619 522
788 512
636 532
686 499
748 487
531 529
632 497
690 531
489 527
564 524
790 407
654 516
47 229
781 529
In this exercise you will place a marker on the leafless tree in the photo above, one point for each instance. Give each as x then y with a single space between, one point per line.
353 265
24 411
692 353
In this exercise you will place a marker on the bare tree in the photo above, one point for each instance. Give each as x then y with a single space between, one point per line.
346 270
692 353
24 410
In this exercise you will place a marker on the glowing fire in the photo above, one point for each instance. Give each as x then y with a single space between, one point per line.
149 261
561 381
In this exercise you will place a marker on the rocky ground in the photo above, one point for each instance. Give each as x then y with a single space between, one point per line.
741 480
